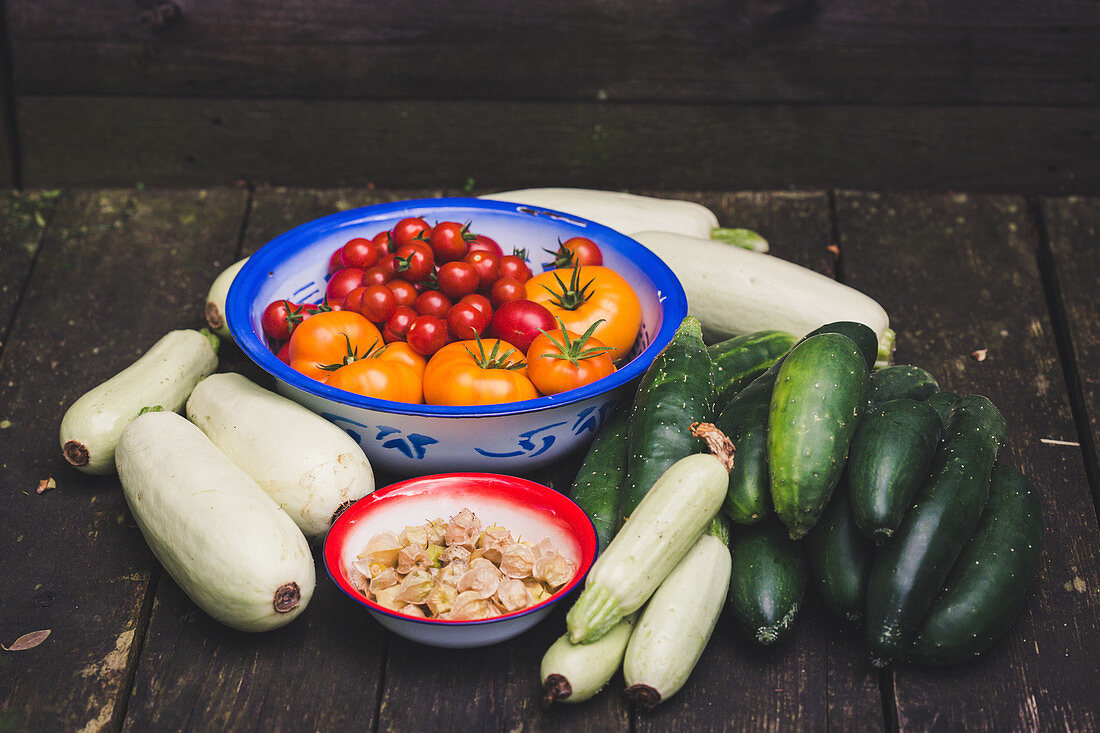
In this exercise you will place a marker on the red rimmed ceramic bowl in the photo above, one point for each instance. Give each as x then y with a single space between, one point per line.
527 509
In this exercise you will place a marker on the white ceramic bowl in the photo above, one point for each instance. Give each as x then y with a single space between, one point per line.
411 439
527 509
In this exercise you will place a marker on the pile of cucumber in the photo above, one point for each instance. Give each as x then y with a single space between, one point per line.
871 485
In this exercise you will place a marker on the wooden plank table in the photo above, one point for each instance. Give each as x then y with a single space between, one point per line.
89 279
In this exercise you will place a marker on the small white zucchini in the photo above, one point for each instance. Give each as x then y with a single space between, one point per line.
576 672
624 212
734 291
224 541
661 529
677 622
310 467
215 298
162 378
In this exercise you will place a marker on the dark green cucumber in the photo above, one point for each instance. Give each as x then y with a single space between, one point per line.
676 391
820 392
991 579
941 402
839 557
909 570
767 581
862 336
901 380
598 487
888 461
745 421
741 359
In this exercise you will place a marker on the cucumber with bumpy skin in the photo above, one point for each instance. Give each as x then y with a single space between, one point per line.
678 621
910 569
741 359
942 402
990 581
889 458
597 488
767 581
900 380
839 557
676 390
820 392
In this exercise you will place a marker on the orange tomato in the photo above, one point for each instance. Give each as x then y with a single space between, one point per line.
477 372
582 295
386 379
331 339
562 360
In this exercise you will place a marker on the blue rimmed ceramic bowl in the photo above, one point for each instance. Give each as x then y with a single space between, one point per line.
409 439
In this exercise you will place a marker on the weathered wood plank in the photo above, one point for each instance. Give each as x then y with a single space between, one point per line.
23 218
700 50
959 274
1073 225
116 271
428 144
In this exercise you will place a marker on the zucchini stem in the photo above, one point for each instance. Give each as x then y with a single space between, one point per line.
743 238
885 348
719 444
595 613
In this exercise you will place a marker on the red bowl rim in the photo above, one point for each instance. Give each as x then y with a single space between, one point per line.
513 488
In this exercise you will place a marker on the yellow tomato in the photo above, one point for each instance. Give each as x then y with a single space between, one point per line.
477 372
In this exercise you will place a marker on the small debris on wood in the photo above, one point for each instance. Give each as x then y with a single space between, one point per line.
1055 441
46 484
834 250
27 641
979 354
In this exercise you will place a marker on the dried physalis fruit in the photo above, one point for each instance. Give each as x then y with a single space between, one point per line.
517 561
455 552
483 577
536 589
543 547
441 598
410 557
437 531
512 595
414 610
414 536
415 587
382 550
469 606
387 598
553 569
452 572
463 529
385 579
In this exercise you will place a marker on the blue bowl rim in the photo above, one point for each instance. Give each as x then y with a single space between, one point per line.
247 283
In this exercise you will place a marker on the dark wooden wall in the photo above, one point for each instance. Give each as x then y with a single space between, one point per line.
984 95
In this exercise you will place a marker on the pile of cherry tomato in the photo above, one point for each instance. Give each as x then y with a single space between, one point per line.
404 304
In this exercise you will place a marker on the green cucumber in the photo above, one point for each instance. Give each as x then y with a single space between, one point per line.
942 402
989 583
676 390
888 461
820 392
739 360
839 557
767 581
909 570
744 418
597 488
901 380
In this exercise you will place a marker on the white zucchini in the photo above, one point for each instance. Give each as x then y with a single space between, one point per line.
677 623
225 542
733 291
576 672
625 212
162 377
215 298
661 529
309 466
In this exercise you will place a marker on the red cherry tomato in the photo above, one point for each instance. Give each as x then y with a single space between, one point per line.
359 252
409 230
485 244
397 325
377 275
336 261
341 283
414 262
284 353
427 334
519 321
506 289
480 302
577 249
515 265
450 240
464 321
403 290
275 320
377 303
487 265
353 299
383 242
432 303
457 279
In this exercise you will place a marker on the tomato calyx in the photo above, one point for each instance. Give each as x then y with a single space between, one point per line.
298 313
373 352
575 350
494 359
573 295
